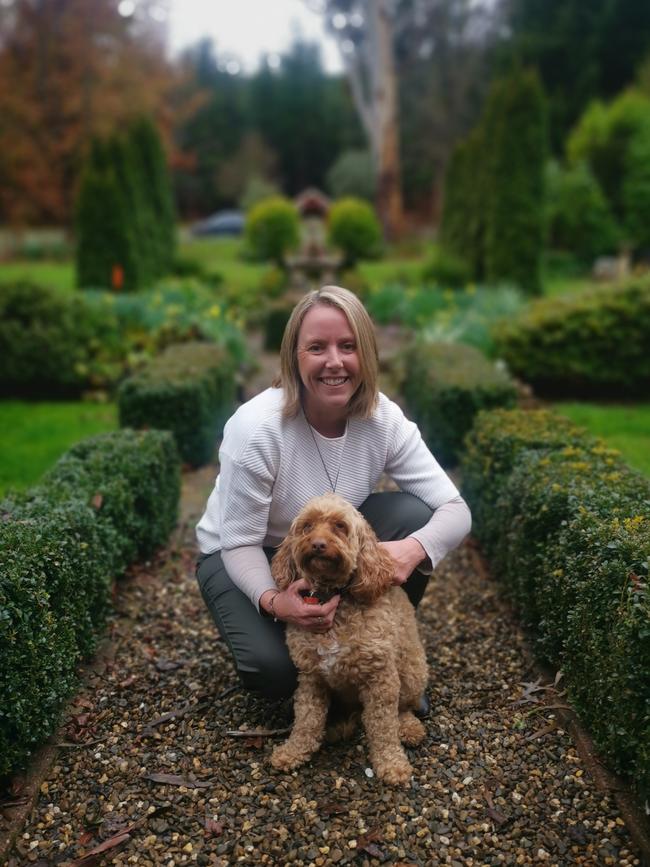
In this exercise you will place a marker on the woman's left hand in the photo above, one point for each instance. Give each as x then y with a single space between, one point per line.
406 555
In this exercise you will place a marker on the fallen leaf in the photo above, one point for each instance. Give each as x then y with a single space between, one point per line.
213 828
85 838
92 856
258 733
97 501
333 809
168 664
541 732
176 780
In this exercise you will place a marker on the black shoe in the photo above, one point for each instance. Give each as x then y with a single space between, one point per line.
423 709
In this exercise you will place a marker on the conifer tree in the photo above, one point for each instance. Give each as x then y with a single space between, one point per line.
515 132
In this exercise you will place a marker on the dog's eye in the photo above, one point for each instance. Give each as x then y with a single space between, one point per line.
341 526
306 527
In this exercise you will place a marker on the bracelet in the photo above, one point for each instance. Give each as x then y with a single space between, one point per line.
272 606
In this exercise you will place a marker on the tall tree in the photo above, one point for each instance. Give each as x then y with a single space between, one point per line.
69 69
365 30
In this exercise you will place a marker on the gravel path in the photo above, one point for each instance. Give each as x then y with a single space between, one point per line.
147 772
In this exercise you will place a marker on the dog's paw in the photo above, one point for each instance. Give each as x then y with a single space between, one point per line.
283 758
411 729
395 771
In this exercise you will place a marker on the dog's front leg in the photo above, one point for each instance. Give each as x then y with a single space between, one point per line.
380 699
310 705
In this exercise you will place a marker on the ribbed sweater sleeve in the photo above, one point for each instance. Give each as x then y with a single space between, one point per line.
249 570
444 531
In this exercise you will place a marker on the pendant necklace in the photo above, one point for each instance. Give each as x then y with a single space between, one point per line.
334 483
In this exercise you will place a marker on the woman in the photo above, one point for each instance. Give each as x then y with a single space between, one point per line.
322 427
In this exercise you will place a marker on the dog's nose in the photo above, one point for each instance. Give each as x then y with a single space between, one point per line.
318 544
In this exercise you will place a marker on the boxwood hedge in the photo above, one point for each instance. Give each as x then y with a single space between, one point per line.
108 501
190 390
445 386
594 343
566 525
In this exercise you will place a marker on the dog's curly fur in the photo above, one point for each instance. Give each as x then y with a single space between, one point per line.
372 656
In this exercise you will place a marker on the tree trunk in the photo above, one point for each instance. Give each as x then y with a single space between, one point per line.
386 131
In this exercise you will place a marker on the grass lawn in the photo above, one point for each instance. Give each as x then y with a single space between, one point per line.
34 435
59 275
625 427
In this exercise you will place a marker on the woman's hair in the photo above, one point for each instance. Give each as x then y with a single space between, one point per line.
364 400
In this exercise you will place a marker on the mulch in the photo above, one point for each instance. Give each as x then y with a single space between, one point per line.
163 760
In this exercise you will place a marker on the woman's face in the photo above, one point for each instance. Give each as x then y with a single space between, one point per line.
328 360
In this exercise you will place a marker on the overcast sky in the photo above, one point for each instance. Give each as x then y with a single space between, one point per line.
249 28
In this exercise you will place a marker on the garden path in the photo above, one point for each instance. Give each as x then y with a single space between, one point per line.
148 767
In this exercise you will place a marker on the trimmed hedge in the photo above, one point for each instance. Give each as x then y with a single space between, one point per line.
190 390
595 343
445 386
566 525
109 500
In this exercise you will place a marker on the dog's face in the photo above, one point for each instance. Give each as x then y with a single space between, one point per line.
330 543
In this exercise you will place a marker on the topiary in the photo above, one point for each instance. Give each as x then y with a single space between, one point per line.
353 174
353 227
272 229
578 216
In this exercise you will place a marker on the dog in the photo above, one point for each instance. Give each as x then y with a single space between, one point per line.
372 656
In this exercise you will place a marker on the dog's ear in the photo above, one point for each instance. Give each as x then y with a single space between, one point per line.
375 568
283 565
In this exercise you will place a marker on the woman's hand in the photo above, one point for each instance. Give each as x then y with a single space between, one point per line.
289 606
406 554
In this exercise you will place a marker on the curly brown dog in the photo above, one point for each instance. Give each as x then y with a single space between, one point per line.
372 656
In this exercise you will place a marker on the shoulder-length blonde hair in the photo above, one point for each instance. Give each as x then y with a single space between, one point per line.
364 400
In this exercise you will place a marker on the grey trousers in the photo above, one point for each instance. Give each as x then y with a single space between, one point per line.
257 643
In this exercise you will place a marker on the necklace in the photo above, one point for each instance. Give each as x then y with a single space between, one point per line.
334 483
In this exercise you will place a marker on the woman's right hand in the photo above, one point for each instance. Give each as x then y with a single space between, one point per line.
289 606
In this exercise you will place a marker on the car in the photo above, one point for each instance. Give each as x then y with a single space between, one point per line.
221 223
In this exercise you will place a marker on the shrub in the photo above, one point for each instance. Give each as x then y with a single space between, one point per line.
446 270
514 206
567 526
47 342
126 234
272 229
111 498
607 651
462 224
189 390
445 386
354 229
602 137
636 188
275 323
578 216
594 343
106 254
491 449
353 174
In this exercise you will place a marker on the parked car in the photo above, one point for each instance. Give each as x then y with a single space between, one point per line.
221 223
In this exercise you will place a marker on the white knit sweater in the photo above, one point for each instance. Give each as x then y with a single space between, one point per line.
271 466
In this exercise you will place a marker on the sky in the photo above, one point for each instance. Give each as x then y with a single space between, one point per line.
249 28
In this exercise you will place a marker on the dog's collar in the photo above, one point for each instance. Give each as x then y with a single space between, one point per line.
323 598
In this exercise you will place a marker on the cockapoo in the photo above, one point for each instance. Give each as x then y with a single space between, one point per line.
372 656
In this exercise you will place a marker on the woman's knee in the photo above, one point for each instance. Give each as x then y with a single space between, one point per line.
272 676
395 514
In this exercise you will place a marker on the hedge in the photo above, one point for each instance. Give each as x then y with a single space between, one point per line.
445 386
189 389
566 525
592 344
110 500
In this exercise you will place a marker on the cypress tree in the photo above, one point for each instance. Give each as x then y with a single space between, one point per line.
155 180
106 245
515 130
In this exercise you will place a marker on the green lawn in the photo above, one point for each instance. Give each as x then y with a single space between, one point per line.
34 435
625 427
59 275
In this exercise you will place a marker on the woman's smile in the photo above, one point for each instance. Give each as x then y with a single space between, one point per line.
328 364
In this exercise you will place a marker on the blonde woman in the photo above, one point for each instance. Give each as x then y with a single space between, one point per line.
323 426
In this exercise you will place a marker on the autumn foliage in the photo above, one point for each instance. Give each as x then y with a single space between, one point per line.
69 70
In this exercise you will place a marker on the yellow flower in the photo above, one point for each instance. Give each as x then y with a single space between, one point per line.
471 289
214 311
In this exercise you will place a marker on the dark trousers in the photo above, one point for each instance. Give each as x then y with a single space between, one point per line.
257 643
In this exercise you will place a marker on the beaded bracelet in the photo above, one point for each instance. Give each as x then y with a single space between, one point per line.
272 606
